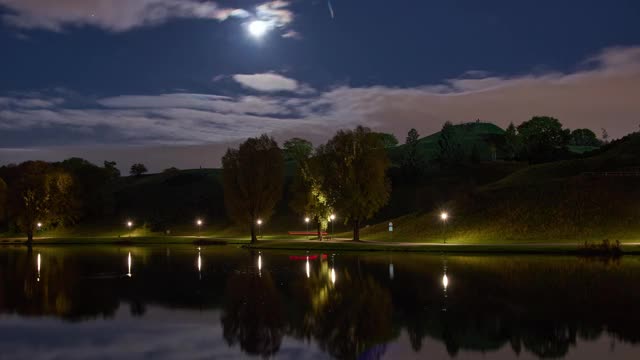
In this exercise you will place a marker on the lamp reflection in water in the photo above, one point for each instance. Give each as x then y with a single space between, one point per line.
308 268
391 270
199 264
129 264
38 262
259 264
333 269
445 284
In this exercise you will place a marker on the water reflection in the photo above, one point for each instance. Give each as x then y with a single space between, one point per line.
38 264
129 264
546 307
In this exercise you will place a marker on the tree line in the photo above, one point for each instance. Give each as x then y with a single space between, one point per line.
348 175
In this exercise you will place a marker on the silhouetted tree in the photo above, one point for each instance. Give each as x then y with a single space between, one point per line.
389 140
252 179
171 170
138 169
41 193
511 142
605 136
253 314
450 147
584 137
3 199
297 149
112 170
412 137
543 138
89 185
355 163
411 164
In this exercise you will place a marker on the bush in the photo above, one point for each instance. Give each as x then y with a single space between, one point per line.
605 248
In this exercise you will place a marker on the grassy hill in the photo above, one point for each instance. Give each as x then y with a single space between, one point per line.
551 202
475 134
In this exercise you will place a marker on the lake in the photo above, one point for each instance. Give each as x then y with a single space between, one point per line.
182 302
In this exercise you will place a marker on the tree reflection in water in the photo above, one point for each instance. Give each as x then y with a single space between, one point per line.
350 308
253 312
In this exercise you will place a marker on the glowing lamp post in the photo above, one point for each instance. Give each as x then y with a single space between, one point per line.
259 222
39 225
306 221
129 226
331 220
444 216
199 224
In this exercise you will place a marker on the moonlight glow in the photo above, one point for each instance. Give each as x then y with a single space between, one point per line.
258 28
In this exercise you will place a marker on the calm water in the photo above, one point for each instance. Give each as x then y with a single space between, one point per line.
222 302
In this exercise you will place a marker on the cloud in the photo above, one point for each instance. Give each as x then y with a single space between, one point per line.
275 12
291 34
267 82
601 92
110 15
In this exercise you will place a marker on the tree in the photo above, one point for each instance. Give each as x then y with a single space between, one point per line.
511 142
543 138
138 169
112 170
584 137
3 199
90 185
411 164
41 193
389 140
355 163
171 170
297 149
605 136
450 147
412 137
252 179
309 197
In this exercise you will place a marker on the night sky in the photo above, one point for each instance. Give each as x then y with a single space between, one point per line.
175 82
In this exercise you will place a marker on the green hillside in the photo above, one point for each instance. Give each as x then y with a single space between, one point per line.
565 200
480 135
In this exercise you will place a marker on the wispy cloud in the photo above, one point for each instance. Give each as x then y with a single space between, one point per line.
118 16
601 92
267 82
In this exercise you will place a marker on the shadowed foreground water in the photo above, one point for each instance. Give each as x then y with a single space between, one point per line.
223 302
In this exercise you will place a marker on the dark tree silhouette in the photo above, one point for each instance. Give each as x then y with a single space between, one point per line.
355 163
543 138
450 147
297 149
253 314
252 179
138 169
40 192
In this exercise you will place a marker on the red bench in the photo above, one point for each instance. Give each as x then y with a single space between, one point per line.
307 233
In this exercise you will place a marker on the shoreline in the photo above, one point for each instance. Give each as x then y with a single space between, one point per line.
564 248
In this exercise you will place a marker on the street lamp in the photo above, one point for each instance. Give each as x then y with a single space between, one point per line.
39 225
306 220
444 216
199 223
331 220
259 222
129 225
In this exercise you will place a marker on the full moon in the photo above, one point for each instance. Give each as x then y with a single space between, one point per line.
257 28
